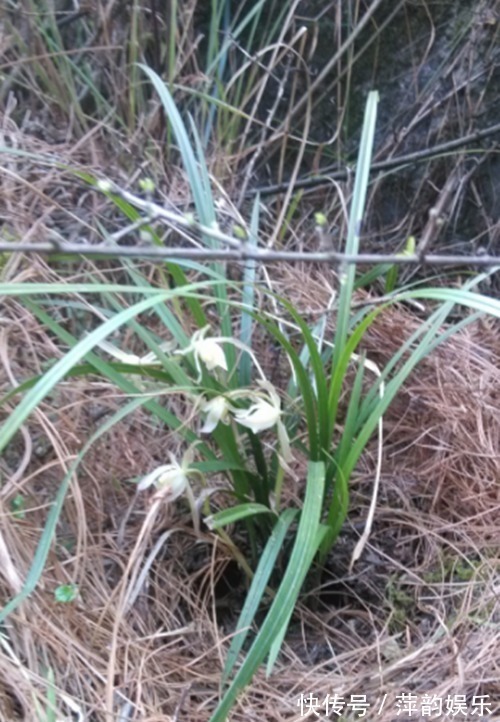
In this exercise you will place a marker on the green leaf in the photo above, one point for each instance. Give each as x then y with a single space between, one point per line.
45 385
248 298
199 182
306 389
278 641
305 547
66 593
45 542
257 588
51 713
311 354
347 274
236 513
196 175
430 338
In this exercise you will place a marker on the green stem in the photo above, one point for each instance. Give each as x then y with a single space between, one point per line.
278 487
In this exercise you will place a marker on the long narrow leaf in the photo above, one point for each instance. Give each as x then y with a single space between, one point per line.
257 589
305 544
347 274
450 295
199 182
45 542
304 383
45 385
319 375
204 205
236 513
278 641
109 371
248 298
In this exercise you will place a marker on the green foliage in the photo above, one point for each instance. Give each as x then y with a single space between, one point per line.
232 403
18 506
85 85
66 593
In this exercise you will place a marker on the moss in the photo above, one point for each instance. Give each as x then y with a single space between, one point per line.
452 569
402 605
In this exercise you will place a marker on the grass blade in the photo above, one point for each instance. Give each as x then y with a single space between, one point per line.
347 275
305 545
61 367
45 542
248 298
257 589
204 203
278 641
236 513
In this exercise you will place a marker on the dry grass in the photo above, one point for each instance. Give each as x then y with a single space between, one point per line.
149 631
147 637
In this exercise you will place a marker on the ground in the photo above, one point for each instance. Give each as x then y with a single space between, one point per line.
157 603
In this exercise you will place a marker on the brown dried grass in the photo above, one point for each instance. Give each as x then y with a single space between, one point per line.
147 637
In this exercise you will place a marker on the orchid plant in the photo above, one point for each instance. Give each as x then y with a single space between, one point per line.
262 413
239 428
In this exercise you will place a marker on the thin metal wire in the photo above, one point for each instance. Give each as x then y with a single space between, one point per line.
243 253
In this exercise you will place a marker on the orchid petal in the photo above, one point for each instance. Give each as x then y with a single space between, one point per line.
217 409
259 417
169 478
211 353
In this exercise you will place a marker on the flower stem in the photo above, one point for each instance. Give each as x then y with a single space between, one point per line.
277 487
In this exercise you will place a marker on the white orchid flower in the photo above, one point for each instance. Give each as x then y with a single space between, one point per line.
171 479
260 416
217 409
263 414
208 350
211 353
